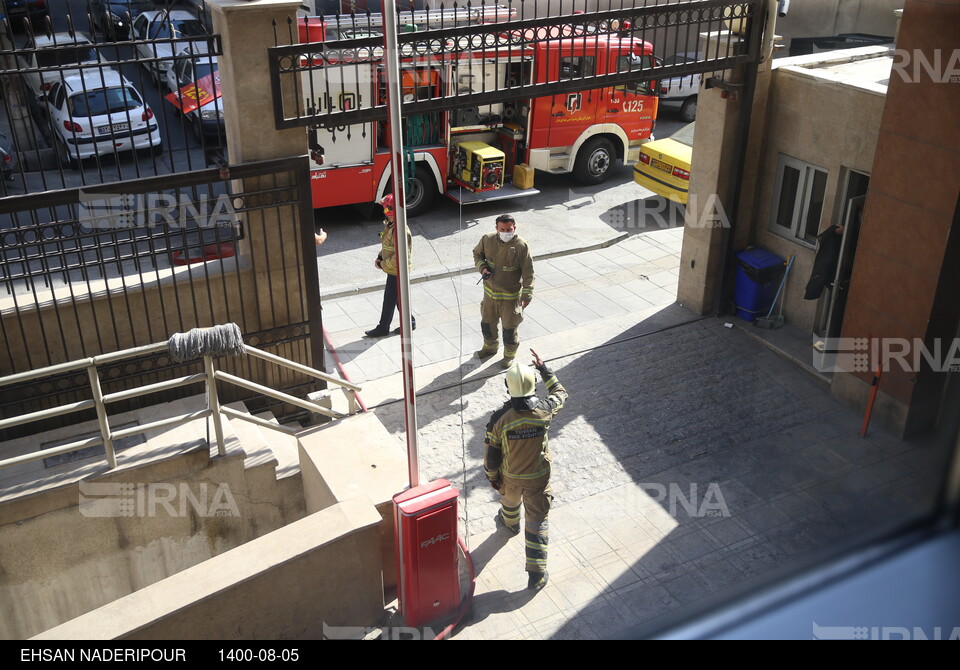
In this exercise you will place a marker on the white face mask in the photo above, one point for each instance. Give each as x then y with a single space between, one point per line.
506 237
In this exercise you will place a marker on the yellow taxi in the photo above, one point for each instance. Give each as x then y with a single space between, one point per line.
664 165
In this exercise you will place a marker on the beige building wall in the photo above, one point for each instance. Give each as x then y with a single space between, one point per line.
293 584
818 121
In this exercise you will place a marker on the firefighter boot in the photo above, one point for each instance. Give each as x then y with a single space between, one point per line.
491 344
510 345
537 580
504 526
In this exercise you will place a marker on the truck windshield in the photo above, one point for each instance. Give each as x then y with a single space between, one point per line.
635 63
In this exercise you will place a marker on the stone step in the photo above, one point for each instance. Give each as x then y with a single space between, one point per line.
285 447
251 439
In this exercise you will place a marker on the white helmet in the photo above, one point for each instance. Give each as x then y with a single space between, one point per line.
521 382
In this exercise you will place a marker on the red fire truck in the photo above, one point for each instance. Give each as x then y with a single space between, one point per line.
469 154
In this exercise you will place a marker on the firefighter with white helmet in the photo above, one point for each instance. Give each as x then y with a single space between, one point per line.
517 460
503 260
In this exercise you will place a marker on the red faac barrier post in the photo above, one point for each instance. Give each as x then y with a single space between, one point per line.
426 522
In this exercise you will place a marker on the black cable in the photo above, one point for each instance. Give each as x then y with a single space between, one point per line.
611 343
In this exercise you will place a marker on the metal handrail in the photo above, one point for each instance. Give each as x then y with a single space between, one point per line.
210 374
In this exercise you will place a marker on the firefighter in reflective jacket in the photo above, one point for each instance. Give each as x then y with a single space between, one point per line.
517 460
388 262
503 260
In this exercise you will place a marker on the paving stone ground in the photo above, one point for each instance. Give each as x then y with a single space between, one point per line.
688 461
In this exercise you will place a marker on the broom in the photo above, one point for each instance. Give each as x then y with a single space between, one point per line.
769 321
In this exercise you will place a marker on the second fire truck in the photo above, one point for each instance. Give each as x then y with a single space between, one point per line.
469 154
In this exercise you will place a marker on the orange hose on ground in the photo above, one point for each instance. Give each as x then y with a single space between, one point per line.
343 373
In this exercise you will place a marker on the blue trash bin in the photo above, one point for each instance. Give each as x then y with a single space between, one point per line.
758 275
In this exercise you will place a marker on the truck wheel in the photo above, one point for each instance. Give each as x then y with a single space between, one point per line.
421 192
688 112
594 161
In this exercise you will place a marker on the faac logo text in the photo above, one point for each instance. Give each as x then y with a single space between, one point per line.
435 540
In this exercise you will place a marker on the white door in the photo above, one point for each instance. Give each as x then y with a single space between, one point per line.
342 88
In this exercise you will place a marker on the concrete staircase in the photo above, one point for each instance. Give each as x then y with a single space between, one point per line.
272 480
273 452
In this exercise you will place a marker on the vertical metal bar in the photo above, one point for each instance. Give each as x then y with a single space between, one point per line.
396 145
213 404
757 25
311 273
102 415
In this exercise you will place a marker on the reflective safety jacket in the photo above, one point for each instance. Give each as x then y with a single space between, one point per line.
516 442
388 248
511 265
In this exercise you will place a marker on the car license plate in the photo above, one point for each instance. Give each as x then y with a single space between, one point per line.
660 165
115 128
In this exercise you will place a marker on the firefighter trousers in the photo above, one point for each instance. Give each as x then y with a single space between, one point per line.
535 495
494 312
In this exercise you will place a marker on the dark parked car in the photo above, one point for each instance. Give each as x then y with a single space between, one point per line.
113 17
18 10
7 162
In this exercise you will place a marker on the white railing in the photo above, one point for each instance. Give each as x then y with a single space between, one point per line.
209 376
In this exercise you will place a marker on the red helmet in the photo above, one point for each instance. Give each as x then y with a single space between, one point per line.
387 201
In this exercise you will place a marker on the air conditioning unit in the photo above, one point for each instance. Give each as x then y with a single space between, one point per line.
479 166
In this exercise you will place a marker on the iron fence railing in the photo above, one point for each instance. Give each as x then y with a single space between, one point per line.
84 272
99 401
333 57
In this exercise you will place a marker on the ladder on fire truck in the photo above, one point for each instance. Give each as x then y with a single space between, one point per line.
347 26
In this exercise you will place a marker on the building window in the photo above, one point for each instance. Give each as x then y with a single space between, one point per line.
798 200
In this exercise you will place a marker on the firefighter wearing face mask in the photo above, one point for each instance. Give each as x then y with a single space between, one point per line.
503 260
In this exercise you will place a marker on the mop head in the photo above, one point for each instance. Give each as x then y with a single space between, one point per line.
774 321
225 340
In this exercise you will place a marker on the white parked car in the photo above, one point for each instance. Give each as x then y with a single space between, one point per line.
99 112
60 51
681 91
163 25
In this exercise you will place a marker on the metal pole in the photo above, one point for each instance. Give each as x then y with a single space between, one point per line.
392 73
102 419
213 403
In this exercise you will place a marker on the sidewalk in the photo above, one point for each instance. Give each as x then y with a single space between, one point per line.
570 290
688 460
